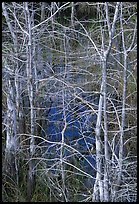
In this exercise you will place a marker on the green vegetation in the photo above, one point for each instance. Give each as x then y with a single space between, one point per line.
31 85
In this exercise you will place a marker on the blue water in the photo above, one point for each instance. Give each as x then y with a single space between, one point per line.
79 132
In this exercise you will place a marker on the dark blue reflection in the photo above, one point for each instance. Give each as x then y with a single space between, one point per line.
80 122
79 132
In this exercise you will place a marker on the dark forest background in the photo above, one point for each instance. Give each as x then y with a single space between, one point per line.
69 101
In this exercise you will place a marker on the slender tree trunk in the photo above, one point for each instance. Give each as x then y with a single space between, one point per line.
103 181
98 186
62 153
106 149
10 162
30 85
43 11
121 140
12 105
72 14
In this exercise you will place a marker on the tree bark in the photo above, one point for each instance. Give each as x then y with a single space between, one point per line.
30 85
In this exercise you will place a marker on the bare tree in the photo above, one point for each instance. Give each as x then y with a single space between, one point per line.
12 141
69 101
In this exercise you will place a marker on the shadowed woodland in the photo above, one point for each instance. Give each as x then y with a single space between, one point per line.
69 101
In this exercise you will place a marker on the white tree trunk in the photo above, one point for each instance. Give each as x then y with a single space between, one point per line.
12 107
121 140
30 86
103 181
98 187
